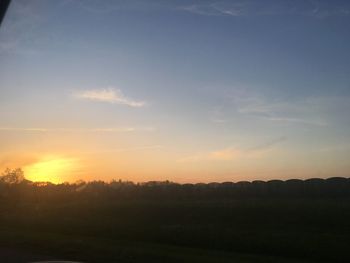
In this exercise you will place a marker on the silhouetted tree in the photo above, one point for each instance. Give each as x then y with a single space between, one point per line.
12 176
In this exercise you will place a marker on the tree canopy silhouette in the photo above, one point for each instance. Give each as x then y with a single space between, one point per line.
12 176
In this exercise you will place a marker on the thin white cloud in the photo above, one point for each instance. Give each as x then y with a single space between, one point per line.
216 115
139 148
97 7
268 144
130 149
307 111
231 153
226 154
210 10
109 95
220 121
297 120
23 129
239 8
106 130
335 148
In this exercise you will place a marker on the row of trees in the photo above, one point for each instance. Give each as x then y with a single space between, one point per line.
13 182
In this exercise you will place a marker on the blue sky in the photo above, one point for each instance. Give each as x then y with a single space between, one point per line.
186 90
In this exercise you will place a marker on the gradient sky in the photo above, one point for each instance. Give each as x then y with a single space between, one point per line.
187 91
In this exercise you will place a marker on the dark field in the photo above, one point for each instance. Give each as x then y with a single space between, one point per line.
165 222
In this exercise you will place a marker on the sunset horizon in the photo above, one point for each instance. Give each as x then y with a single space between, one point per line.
185 91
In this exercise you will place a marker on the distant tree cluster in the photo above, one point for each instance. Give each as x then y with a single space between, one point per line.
12 176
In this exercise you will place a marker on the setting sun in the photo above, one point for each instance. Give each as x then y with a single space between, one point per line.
50 170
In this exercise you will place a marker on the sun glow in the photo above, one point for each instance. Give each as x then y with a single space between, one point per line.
54 170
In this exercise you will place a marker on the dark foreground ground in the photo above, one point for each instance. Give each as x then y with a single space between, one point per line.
235 230
274 221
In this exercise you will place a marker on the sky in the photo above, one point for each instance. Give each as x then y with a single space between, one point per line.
186 91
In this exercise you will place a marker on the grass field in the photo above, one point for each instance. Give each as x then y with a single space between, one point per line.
240 230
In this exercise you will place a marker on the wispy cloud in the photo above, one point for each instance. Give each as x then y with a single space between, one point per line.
232 153
117 130
238 8
128 149
98 7
109 95
217 155
220 121
216 115
226 154
305 111
24 129
268 144
215 9
298 120
335 148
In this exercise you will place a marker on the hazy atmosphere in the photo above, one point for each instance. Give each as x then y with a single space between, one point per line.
187 91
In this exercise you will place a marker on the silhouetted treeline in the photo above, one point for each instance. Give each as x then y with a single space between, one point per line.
13 184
